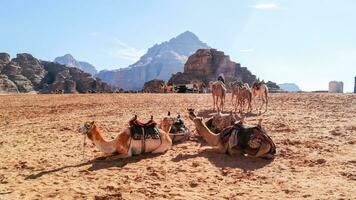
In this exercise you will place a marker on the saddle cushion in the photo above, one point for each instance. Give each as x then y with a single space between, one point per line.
178 127
179 132
244 138
147 130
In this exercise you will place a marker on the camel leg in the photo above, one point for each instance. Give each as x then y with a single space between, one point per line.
166 144
266 103
213 102
222 99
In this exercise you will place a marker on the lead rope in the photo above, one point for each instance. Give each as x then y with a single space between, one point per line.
83 153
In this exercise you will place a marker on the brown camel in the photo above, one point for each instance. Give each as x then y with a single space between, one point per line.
125 144
247 140
259 89
244 97
218 90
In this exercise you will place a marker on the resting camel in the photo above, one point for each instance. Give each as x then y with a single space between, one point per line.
167 88
218 90
175 127
130 141
237 139
259 89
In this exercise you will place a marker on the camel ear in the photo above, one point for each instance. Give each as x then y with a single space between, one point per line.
169 113
259 123
178 116
92 122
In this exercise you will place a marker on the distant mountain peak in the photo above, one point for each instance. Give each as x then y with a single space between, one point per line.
187 35
160 62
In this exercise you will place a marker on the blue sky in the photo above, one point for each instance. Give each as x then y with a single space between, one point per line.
308 42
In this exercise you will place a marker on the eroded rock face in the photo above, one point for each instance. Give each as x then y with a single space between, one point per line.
7 86
28 74
206 64
153 86
31 68
4 59
70 80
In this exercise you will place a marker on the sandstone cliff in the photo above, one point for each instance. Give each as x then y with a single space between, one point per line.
206 64
153 86
28 74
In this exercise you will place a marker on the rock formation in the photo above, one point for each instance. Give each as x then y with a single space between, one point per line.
160 62
28 74
206 64
69 61
153 86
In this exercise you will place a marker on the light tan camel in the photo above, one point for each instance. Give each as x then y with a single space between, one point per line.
167 88
250 140
218 90
124 145
259 89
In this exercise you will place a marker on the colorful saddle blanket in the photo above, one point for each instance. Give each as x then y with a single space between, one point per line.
140 130
245 138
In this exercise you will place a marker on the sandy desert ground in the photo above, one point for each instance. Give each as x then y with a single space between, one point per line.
41 150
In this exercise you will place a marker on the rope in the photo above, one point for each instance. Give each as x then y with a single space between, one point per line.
83 153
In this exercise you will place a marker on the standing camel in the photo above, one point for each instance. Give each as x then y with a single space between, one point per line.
234 86
218 90
259 89
244 96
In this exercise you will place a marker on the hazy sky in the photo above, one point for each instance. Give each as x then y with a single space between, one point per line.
308 42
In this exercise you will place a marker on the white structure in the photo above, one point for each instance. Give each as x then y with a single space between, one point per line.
336 87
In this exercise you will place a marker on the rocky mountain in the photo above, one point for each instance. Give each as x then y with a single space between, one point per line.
206 64
153 86
289 87
26 74
160 62
69 61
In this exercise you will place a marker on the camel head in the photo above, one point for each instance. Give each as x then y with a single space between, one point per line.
167 122
87 128
191 113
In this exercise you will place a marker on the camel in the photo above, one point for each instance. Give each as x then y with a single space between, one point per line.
218 90
175 127
125 144
259 89
234 86
244 96
167 87
237 139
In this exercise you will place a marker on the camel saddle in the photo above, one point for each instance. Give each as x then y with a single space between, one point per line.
143 131
178 126
245 138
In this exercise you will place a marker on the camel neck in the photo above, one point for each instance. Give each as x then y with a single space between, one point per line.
212 138
101 143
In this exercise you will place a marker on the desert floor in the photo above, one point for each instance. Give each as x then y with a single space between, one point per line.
41 150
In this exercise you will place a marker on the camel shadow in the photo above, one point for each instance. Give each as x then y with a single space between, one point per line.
121 162
224 160
96 164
